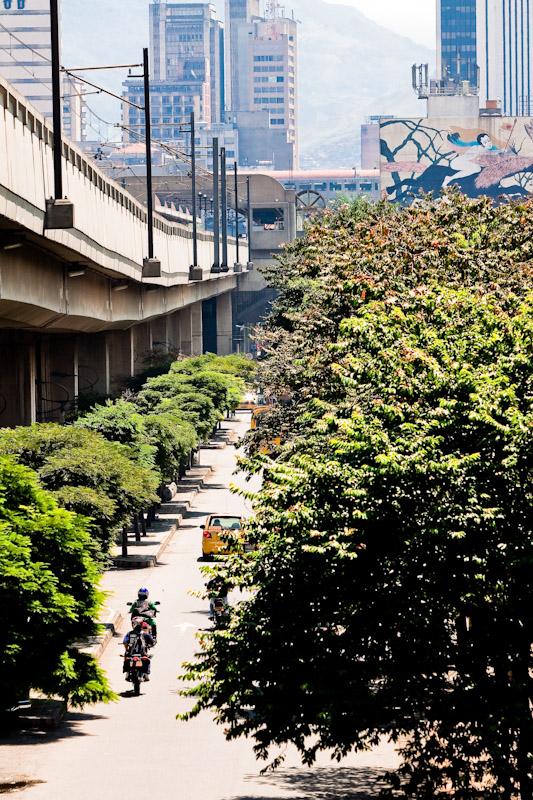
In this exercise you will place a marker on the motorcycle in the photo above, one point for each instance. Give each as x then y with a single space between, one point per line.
149 615
221 612
135 668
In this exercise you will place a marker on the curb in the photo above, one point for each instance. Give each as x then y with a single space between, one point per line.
95 647
192 483
139 561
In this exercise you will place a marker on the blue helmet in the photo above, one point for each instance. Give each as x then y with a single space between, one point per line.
142 594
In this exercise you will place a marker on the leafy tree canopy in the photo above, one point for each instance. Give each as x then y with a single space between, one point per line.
89 473
391 590
48 581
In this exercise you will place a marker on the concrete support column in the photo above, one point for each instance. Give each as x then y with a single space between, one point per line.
93 365
185 324
142 346
224 325
121 358
197 330
18 404
159 331
60 385
173 332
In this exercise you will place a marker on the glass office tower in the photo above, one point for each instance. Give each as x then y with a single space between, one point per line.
457 42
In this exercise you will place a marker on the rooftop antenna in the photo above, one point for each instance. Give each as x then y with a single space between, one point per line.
271 9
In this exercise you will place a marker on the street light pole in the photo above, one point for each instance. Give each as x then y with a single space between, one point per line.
59 213
148 144
236 183
151 265
249 213
216 218
224 193
56 100
193 189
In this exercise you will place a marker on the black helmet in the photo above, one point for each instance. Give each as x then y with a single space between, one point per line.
142 594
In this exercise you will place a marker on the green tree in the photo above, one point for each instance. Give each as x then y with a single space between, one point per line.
120 421
48 581
174 438
88 474
391 590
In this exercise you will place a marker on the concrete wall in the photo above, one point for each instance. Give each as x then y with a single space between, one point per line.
480 155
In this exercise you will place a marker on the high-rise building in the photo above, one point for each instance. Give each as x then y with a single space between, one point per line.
486 45
457 58
25 50
505 39
187 52
264 99
238 12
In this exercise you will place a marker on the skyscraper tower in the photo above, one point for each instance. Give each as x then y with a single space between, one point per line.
457 60
238 12
505 39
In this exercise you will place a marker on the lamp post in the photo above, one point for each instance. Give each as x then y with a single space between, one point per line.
224 196
59 211
237 266
151 265
193 192
216 218
250 264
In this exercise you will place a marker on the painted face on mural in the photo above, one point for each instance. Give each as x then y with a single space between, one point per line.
484 140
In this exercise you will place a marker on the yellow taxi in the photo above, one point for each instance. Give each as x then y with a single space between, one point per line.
217 530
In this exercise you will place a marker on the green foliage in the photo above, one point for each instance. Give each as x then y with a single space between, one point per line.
48 581
199 390
174 439
120 421
87 472
391 592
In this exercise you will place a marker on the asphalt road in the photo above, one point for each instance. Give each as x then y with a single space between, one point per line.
136 747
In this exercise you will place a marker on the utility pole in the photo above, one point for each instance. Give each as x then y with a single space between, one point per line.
56 100
148 143
216 211
250 264
237 266
59 211
193 189
224 193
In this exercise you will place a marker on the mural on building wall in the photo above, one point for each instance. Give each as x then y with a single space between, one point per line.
420 156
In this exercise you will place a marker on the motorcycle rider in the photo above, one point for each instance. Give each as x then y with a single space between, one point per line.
217 589
142 607
137 642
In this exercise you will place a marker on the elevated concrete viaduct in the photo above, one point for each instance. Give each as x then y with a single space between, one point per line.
76 315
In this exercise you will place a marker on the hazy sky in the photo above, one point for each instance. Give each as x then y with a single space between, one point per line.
413 18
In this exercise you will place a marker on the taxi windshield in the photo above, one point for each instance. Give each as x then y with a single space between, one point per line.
226 523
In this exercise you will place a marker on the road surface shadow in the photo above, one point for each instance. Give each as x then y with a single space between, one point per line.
68 727
321 783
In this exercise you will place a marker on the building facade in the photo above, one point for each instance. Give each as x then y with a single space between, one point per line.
457 146
187 53
238 12
485 46
264 101
457 57
505 38
25 50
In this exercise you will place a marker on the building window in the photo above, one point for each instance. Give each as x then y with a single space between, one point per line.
269 219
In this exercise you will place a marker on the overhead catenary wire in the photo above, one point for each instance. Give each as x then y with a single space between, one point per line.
178 154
